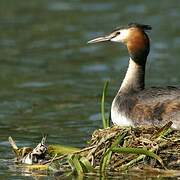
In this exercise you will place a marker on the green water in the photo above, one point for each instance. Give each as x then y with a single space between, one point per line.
51 80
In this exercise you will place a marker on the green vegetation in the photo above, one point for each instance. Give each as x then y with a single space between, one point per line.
105 120
59 150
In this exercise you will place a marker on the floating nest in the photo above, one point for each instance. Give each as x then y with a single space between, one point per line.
115 149
132 147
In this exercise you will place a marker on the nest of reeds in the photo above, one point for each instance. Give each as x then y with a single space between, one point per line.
118 148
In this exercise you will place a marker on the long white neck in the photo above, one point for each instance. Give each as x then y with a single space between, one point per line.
134 78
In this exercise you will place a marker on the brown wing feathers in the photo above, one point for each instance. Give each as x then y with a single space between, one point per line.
161 111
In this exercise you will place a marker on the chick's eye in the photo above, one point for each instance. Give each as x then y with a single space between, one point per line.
117 33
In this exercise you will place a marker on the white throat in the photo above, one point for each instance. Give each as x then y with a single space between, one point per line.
134 77
129 74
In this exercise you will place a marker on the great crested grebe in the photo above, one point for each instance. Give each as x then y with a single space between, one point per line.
134 105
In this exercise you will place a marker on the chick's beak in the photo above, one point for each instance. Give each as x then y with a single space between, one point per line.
100 39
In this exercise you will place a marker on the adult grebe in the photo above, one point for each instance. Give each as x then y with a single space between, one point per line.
134 105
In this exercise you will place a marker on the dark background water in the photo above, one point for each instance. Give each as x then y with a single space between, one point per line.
51 80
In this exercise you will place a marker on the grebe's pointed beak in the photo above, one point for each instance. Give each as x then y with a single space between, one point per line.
100 39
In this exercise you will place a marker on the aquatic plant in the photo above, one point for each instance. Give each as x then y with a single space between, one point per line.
105 120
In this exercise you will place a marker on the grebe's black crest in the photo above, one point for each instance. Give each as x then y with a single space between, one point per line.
141 26
144 27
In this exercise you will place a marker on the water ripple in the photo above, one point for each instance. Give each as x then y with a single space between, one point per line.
95 68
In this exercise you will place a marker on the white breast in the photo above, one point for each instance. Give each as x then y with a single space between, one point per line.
119 118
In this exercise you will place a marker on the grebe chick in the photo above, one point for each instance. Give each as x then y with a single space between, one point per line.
134 105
